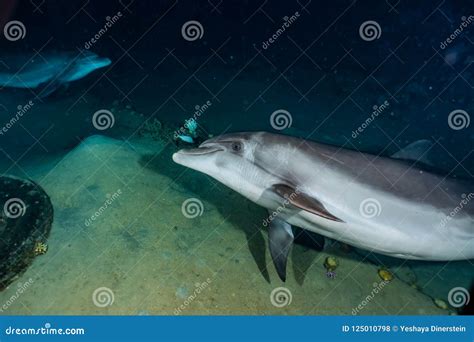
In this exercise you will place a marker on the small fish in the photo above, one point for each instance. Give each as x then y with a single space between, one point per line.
186 138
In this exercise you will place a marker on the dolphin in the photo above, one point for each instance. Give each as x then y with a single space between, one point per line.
48 71
385 205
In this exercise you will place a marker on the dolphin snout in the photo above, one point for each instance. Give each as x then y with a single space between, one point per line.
207 149
204 149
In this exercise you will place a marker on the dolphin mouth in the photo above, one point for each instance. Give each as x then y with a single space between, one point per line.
201 150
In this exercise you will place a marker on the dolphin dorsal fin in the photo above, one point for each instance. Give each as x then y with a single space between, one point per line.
416 151
303 201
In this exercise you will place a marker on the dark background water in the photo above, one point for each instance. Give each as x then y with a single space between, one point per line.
320 69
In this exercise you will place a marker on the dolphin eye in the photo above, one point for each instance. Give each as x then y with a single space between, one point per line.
236 147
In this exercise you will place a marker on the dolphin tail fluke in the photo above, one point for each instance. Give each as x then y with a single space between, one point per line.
280 237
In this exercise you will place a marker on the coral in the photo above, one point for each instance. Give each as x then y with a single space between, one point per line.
154 125
331 264
40 248
156 130
440 304
385 274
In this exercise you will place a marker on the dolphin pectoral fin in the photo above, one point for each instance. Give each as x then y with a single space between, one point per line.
304 202
280 237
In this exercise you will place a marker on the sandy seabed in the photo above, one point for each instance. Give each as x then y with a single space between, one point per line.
122 243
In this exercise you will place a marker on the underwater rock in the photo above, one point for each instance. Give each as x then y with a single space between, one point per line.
26 215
